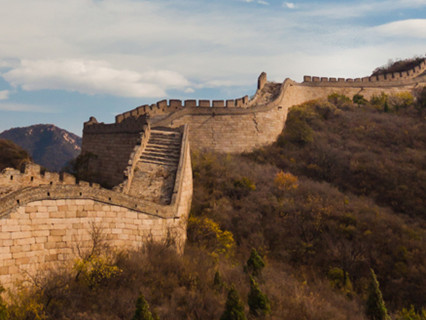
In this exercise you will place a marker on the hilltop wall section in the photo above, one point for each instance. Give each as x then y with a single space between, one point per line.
46 220
108 147
241 125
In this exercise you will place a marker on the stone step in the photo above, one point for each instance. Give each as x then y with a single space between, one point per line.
159 163
154 131
162 138
164 141
174 149
164 157
161 154
166 136
160 160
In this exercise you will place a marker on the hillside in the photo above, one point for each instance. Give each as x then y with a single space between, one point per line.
48 145
341 191
11 155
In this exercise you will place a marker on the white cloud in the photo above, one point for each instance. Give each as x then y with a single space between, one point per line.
412 28
92 77
148 47
189 90
265 3
22 107
4 94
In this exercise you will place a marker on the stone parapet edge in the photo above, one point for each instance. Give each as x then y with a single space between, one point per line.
85 192
177 189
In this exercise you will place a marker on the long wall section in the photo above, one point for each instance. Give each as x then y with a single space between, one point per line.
47 220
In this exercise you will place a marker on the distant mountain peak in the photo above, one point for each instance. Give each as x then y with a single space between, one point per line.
49 145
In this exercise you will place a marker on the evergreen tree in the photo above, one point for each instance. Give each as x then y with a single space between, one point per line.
255 263
142 310
375 309
386 107
258 302
217 282
234 309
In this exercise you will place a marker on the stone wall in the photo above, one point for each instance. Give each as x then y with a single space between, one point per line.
163 107
45 219
393 78
109 147
46 234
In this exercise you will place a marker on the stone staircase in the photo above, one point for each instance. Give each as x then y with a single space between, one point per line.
155 173
163 148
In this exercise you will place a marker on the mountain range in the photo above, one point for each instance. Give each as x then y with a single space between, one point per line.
48 145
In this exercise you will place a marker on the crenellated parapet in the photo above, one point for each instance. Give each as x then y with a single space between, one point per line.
172 105
33 175
131 125
386 79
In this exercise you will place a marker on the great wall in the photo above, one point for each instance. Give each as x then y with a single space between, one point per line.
143 161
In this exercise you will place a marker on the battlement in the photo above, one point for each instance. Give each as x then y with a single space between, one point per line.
131 125
164 107
33 175
371 80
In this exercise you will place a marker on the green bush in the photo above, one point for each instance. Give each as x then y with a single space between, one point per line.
411 314
255 263
234 308
375 307
258 301
359 99
142 310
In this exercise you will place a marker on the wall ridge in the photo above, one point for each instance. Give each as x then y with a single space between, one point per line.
403 77
173 105
30 194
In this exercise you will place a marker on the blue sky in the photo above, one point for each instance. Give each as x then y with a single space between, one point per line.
63 61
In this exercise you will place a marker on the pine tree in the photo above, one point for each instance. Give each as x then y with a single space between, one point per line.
142 310
258 302
217 281
386 107
234 309
375 309
255 263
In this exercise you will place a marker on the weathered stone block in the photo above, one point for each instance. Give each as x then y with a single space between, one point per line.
230 103
218 103
204 103
190 103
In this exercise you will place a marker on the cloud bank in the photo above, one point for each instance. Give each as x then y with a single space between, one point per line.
92 77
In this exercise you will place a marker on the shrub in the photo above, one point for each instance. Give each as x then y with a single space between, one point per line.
286 181
142 310
298 131
258 302
338 100
95 270
359 99
411 314
379 101
255 263
401 100
375 308
208 234
234 308
421 98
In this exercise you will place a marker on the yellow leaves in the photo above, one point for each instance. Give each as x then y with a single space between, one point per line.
286 181
95 270
209 235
